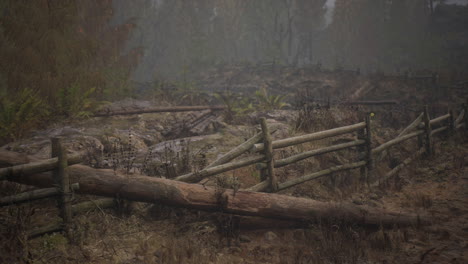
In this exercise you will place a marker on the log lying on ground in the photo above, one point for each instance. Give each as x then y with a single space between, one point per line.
174 193
382 102
160 110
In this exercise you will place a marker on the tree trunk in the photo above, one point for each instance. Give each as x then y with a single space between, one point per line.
103 182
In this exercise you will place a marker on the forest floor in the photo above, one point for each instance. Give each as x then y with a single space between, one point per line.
138 233
144 233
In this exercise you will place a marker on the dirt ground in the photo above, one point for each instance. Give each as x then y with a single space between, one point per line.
135 233
142 233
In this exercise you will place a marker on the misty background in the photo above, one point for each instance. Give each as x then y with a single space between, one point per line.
67 58
177 36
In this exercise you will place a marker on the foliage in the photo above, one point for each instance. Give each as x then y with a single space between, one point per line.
19 113
269 102
62 54
74 103
236 104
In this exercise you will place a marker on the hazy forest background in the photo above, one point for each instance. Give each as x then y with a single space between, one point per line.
64 58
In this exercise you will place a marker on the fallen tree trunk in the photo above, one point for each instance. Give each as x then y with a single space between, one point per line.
159 110
382 102
174 193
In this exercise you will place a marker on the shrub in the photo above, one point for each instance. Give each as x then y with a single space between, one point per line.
19 113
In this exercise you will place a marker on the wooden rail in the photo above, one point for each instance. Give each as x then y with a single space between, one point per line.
33 195
263 186
58 165
168 109
36 167
311 137
422 127
395 141
304 155
197 176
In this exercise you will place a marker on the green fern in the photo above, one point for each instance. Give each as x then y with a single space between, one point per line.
236 104
77 102
20 113
269 102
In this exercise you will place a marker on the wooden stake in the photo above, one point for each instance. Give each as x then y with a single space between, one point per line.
369 159
268 152
427 131
451 124
465 108
62 180
362 149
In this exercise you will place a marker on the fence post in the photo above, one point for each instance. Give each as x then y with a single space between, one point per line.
366 134
62 181
451 125
465 118
268 152
369 159
427 131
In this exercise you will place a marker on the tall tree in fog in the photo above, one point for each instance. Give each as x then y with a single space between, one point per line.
383 34
61 49
178 35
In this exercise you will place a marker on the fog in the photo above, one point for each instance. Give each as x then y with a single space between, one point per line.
178 37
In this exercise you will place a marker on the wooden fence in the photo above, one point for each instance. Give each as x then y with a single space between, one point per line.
423 128
262 148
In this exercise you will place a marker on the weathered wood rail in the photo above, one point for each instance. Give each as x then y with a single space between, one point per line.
63 191
169 109
175 192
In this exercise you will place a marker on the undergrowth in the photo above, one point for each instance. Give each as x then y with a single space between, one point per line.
19 113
